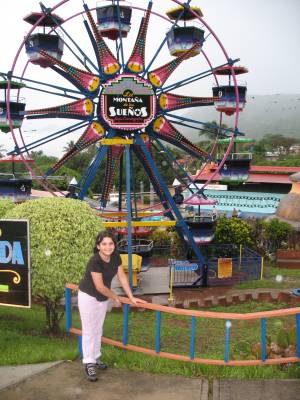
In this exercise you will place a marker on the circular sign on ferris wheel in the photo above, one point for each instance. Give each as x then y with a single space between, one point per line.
128 102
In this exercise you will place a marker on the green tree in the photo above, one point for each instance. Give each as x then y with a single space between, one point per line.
62 234
212 130
69 146
276 142
42 159
233 231
274 232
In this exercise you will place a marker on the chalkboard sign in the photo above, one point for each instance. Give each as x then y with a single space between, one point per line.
14 263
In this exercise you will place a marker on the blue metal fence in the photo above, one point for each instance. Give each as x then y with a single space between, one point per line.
246 265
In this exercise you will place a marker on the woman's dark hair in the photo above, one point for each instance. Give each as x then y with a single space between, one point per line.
103 234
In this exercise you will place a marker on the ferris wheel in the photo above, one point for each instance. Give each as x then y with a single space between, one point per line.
128 78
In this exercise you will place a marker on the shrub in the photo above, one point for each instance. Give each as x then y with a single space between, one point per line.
232 230
62 234
5 205
161 238
275 232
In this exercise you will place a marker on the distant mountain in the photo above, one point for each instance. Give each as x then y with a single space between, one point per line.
277 114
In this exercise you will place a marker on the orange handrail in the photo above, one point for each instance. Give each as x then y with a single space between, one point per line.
262 315
208 314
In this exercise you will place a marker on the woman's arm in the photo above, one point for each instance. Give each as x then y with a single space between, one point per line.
125 285
99 285
124 282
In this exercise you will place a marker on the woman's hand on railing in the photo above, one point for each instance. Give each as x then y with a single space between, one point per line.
136 301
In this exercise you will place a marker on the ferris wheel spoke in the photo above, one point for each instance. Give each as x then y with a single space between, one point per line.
90 172
114 154
93 133
167 132
119 40
47 139
136 62
64 92
108 63
220 129
154 180
86 82
158 76
174 23
170 102
79 109
159 146
196 77
206 125
191 79
144 161
174 122
58 24
181 227
85 60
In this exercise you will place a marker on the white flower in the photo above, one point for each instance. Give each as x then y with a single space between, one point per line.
47 253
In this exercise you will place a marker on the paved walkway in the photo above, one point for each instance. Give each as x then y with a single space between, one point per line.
65 381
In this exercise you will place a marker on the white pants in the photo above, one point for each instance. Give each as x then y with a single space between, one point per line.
92 315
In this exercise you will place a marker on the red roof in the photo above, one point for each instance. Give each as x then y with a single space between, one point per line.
269 178
253 178
259 174
274 168
15 159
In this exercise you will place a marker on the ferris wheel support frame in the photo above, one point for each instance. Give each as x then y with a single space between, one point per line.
171 209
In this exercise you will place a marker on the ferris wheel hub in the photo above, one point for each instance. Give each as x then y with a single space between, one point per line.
128 102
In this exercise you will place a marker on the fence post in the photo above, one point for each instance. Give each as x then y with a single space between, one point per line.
298 334
68 308
263 339
205 275
240 260
80 346
157 339
171 283
227 337
125 324
192 341
262 268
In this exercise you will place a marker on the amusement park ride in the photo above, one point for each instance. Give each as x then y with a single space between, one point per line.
119 98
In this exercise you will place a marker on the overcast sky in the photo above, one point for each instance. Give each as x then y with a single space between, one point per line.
265 36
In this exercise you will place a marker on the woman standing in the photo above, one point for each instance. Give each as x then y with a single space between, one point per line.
94 292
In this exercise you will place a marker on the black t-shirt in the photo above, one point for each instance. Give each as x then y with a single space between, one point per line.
107 269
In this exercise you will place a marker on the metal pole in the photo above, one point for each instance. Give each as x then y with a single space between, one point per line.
142 192
68 308
192 340
262 269
128 201
240 262
125 324
171 283
227 339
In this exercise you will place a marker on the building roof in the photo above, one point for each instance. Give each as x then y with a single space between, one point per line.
257 174
274 169
269 178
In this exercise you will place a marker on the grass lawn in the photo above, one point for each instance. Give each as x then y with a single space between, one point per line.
24 340
290 279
